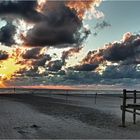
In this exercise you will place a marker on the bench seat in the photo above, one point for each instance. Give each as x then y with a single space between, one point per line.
135 106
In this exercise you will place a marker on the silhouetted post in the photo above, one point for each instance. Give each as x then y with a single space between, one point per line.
134 110
123 107
66 95
95 97
14 90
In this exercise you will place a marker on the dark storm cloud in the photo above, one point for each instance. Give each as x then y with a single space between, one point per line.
23 9
7 34
127 51
37 56
9 10
55 65
61 26
36 63
118 52
42 61
33 54
85 67
3 55
55 25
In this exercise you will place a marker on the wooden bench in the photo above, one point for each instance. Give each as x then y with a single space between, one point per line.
130 107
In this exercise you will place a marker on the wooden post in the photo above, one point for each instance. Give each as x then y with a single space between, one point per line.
123 107
14 90
66 95
95 97
134 110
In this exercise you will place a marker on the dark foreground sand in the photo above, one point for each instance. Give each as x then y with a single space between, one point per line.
45 116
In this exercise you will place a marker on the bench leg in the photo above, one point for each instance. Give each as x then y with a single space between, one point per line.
123 117
134 110
123 108
134 116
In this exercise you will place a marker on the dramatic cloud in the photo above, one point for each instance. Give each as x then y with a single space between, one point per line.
7 34
60 23
124 52
3 55
42 61
55 65
34 25
85 67
109 62
54 22
34 53
23 9
129 47
70 52
37 56
61 26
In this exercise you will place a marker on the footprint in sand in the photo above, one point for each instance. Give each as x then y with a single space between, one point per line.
34 126
27 129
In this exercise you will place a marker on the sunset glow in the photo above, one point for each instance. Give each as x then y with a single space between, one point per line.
12 65
9 67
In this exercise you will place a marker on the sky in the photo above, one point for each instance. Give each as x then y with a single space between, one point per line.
69 42
123 17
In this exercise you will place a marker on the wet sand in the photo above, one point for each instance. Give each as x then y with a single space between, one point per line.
35 116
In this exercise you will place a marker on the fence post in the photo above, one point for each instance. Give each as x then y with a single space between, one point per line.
66 95
14 90
95 97
134 110
123 107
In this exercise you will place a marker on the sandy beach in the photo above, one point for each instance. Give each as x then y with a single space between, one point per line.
39 116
